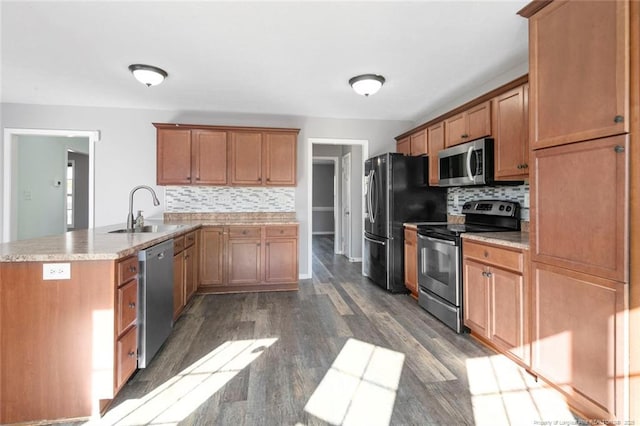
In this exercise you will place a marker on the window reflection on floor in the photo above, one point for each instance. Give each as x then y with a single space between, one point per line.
180 396
360 387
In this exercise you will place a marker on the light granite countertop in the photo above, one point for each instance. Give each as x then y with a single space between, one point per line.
519 240
100 244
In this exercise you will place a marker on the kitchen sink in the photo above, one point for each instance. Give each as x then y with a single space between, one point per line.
147 228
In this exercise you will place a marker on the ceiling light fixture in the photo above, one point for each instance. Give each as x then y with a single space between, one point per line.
147 74
367 84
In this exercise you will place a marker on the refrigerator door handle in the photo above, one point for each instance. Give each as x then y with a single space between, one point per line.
372 215
382 243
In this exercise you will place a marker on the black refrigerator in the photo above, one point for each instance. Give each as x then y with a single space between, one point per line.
396 191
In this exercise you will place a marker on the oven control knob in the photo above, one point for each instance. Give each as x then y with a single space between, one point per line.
501 208
508 208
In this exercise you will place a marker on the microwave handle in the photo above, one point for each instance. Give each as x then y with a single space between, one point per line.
469 173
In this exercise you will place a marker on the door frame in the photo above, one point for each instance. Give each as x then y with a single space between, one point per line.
9 152
309 166
348 237
337 232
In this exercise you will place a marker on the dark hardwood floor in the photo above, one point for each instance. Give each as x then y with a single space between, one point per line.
338 351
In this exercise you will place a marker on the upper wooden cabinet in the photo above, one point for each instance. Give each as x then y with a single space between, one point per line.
435 137
471 124
419 143
511 134
403 146
569 103
219 155
579 207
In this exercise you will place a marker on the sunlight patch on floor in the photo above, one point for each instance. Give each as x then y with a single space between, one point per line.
502 393
360 387
180 396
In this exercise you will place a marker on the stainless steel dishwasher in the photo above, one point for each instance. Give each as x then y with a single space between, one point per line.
155 300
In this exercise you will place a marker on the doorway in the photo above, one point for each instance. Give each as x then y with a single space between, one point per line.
36 163
348 229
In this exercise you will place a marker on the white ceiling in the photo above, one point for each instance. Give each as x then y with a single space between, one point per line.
285 58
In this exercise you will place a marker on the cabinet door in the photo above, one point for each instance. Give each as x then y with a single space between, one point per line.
178 284
126 356
190 283
511 135
577 337
211 263
279 150
455 130
127 305
419 143
245 156
245 262
281 260
569 104
403 146
173 157
435 138
476 298
580 207
478 121
411 261
507 312
209 157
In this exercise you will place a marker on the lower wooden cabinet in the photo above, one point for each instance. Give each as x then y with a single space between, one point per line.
127 356
496 297
411 261
578 334
248 258
184 271
126 315
178 285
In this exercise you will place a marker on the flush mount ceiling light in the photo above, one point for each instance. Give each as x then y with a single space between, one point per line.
367 84
147 74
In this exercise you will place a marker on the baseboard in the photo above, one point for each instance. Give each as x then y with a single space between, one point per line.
304 276
355 259
322 233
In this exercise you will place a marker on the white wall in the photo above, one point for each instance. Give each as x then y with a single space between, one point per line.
126 154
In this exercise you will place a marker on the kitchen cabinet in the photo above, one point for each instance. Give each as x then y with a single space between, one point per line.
281 254
435 138
262 158
567 103
469 125
191 157
126 320
411 261
212 250
578 326
419 143
184 271
496 297
403 146
511 134
579 207
244 256
224 155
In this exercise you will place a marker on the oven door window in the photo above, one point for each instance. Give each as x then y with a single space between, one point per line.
439 268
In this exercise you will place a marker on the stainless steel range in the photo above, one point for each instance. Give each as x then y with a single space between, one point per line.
440 256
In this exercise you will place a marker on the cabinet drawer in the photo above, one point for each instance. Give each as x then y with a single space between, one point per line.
127 305
504 258
127 269
410 236
178 244
281 231
127 350
190 239
244 231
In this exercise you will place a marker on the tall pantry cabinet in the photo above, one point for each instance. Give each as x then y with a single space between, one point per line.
580 126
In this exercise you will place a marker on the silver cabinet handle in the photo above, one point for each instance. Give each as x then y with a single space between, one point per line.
382 243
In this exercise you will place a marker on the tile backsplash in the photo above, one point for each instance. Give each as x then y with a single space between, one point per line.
222 199
472 193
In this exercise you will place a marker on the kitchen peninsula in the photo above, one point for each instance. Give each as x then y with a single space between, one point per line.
68 302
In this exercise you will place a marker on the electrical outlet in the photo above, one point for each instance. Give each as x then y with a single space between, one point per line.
56 271
526 200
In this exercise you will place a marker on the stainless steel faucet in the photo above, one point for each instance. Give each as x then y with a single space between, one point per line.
156 202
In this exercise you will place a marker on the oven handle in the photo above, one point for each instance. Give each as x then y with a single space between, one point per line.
436 240
382 243
469 173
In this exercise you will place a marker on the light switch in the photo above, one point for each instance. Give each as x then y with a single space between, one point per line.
56 271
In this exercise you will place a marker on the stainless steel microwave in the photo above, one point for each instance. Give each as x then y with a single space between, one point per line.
470 163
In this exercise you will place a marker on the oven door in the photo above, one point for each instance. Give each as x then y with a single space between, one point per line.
439 267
